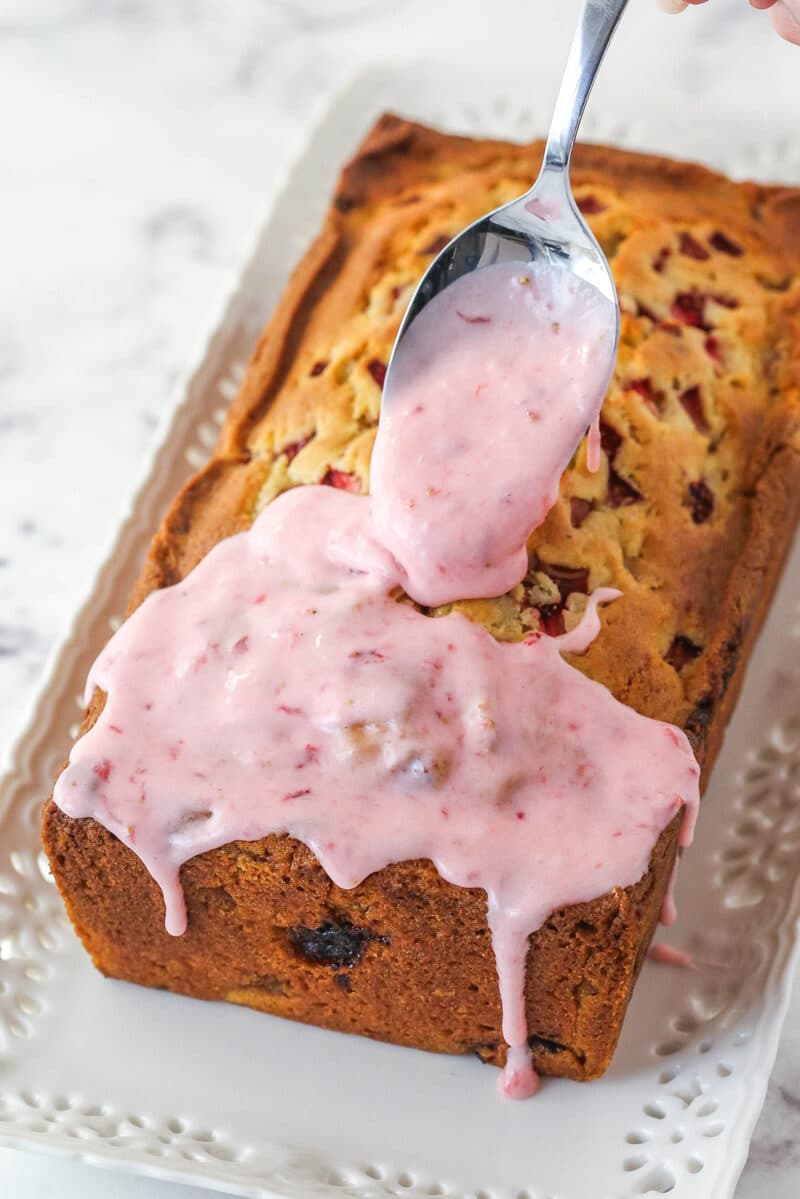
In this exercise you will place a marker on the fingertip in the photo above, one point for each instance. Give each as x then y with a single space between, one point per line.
786 23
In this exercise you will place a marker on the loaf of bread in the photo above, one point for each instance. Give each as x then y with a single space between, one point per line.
690 516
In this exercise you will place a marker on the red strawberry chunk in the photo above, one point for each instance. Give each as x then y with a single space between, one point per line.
294 447
473 320
378 370
689 308
724 244
552 618
644 388
610 440
647 313
692 401
569 578
437 245
343 479
578 511
712 348
590 205
620 492
681 652
692 248
660 260
701 501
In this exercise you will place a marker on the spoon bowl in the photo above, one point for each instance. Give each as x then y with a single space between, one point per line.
545 224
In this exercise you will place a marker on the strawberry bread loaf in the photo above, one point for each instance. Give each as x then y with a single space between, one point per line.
689 517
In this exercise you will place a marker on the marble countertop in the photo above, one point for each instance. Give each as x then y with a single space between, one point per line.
143 142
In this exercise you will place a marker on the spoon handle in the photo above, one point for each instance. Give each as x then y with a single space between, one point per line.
597 23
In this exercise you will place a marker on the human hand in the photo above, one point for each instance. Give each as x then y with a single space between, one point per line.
785 14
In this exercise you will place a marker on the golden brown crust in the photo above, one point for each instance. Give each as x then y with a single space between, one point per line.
411 958
690 515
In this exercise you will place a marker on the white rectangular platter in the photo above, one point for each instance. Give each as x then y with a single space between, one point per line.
234 1100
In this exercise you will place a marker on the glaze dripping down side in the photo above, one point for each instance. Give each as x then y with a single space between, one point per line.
247 700
281 688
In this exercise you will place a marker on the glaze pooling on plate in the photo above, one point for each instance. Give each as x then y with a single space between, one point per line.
281 688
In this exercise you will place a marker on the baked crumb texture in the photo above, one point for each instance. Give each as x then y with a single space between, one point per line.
690 515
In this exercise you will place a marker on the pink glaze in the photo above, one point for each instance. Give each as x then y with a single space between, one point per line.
518 1079
489 394
668 955
281 688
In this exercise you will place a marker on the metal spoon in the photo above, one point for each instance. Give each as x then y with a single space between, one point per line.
544 223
